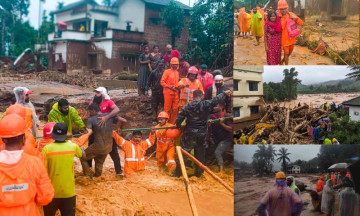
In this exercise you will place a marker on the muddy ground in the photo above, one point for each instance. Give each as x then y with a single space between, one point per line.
338 35
249 191
151 192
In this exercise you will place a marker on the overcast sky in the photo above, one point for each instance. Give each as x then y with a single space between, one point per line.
50 5
307 74
302 152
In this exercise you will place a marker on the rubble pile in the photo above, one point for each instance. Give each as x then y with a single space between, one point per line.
87 81
285 125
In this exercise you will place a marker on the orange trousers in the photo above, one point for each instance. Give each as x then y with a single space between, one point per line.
171 103
165 155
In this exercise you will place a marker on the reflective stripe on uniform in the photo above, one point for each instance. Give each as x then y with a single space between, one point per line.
60 153
171 161
134 159
149 143
123 142
133 150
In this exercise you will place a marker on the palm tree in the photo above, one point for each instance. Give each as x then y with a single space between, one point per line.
355 72
283 156
60 5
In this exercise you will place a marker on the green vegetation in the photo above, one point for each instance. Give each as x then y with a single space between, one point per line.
263 159
173 16
283 157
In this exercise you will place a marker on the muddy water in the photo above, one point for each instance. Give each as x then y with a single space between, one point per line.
319 99
249 192
246 53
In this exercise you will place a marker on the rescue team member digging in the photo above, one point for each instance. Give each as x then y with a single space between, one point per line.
60 165
169 82
103 141
109 108
135 150
63 112
24 181
187 86
195 131
165 149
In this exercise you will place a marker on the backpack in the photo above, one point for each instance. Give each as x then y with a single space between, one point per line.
292 28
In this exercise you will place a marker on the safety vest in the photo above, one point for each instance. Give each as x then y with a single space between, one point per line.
187 92
293 187
134 152
161 138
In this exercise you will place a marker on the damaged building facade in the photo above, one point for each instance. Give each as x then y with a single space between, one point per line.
109 40
248 96
328 10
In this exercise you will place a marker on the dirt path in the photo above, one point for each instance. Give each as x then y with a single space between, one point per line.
151 192
249 192
246 53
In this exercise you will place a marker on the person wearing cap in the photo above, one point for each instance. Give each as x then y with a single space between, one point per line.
135 150
217 88
169 82
24 181
287 43
170 53
60 165
103 141
194 135
290 181
183 67
187 86
205 77
165 149
23 98
222 133
157 96
46 139
280 200
335 141
62 112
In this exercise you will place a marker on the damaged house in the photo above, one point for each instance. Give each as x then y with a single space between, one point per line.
248 102
108 40
332 10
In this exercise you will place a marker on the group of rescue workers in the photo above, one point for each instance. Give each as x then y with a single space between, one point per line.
40 171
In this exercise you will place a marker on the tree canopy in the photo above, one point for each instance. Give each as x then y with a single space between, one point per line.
263 158
173 16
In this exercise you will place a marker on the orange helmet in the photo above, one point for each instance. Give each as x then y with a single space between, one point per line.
12 126
280 175
48 129
174 61
163 115
282 4
235 10
16 109
173 133
193 70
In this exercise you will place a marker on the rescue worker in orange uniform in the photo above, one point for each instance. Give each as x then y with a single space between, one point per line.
348 175
30 142
333 178
134 150
187 86
24 181
165 146
320 184
169 82
287 43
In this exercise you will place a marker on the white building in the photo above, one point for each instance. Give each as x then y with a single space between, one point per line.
295 169
248 102
354 108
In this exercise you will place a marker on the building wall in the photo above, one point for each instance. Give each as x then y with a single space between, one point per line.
113 21
61 47
76 57
158 34
107 46
67 16
323 9
354 113
133 10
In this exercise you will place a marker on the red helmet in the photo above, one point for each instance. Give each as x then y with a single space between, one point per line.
193 70
48 129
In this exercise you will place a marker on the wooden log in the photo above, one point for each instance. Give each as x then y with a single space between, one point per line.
301 125
186 181
299 108
202 166
286 127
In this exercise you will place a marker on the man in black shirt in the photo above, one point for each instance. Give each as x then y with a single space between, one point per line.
221 133
157 97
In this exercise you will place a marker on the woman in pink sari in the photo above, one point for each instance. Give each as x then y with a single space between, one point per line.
272 38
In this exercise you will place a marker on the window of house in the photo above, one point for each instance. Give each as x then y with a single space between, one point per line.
236 85
253 86
236 111
100 28
254 109
77 25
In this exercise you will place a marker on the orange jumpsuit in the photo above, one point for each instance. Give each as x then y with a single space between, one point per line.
165 149
244 20
24 185
134 152
287 43
170 78
28 117
319 185
187 92
333 179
